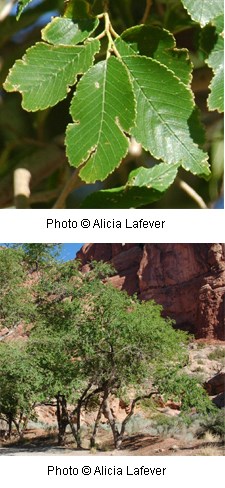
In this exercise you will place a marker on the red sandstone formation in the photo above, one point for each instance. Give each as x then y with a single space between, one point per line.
188 280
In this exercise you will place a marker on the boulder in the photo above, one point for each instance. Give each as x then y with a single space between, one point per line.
215 385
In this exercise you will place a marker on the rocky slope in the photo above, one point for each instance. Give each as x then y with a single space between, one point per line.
188 280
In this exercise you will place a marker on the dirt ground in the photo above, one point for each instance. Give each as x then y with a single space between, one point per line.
136 445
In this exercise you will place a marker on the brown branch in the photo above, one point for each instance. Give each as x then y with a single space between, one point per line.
72 183
146 12
137 399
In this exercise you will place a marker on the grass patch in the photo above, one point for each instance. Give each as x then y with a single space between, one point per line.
217 354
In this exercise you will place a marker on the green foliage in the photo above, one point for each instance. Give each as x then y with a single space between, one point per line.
16 301
88 341
38 255
130 83
20 382
214 424
177 385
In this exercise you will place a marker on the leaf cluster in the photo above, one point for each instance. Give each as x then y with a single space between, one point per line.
131 85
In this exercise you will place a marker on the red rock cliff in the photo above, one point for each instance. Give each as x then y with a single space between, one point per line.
188 280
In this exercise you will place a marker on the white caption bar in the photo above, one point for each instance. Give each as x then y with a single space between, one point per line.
182 226
101 471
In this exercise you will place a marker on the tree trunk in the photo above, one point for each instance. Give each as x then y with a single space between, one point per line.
62 418
10 421
93 436
112 421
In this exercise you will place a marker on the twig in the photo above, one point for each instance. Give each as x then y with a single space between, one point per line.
22 179
147 11
191 192
72 183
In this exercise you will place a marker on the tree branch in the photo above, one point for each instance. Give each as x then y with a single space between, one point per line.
22 178
73 182
147 11
191 192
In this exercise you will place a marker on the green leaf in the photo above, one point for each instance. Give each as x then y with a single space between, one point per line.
63 31
78 9
45 73
164 106
203 11
21 6
160 177
216 62
144 186
218 22
158 44
102 109
121 197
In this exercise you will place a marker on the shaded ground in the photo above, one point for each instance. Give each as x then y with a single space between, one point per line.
136 445
38 441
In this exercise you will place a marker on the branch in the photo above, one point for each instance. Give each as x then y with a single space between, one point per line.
147 11
22 179
73 183
137 399
191 192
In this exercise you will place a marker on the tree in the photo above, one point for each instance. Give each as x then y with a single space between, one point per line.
63 294
16 300
39 255
93 342
86 343
103 63
20 385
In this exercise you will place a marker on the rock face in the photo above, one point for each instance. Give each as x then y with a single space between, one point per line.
188 280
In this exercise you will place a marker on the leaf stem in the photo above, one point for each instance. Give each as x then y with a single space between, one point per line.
109 32
113 32
191 192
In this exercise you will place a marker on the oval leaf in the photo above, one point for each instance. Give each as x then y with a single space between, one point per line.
102 109
45 73
160 177
164 105
63 31
203 11
145 185
158 44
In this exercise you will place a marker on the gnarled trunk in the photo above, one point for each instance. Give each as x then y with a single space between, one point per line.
62 418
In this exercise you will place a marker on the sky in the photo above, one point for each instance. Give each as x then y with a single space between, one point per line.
69 251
